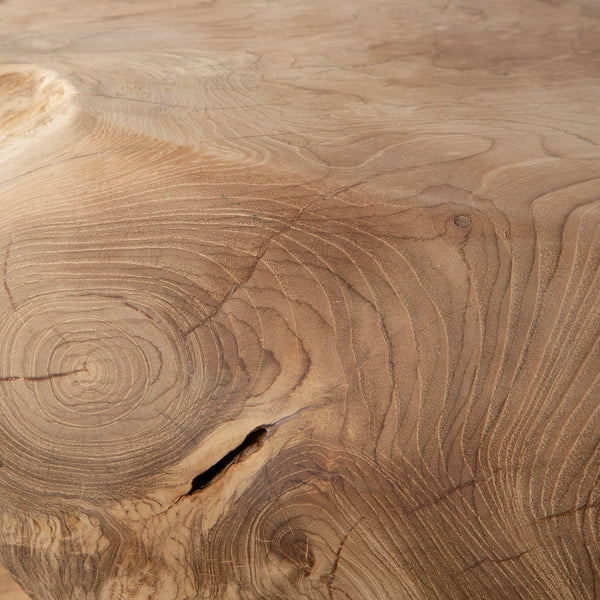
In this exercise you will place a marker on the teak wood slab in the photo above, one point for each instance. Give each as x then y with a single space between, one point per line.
300 299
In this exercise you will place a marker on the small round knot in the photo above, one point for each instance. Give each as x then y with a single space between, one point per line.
462 220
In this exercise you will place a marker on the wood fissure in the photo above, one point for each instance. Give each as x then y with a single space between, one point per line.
251 443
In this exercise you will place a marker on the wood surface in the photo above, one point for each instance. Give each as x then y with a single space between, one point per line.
300 300
9 590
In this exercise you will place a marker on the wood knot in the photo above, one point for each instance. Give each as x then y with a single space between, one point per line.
30 98
462 221
295 548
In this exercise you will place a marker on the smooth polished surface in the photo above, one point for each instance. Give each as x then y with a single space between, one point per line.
300 299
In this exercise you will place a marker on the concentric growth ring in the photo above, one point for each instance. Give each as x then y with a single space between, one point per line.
95 377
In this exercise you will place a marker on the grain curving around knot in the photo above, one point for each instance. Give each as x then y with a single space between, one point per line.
300 300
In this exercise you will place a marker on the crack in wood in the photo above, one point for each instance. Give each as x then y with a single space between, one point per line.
338 554
237 285
5 278
495 561
46 377
252 442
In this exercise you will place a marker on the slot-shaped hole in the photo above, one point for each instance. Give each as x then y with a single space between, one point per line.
251 443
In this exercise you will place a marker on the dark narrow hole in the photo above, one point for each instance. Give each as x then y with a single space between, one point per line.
252 442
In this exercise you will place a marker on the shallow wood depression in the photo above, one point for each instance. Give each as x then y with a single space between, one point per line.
300 300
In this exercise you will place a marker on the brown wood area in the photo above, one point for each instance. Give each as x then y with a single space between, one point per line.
300 299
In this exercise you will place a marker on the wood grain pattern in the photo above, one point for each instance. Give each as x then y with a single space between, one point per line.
300 299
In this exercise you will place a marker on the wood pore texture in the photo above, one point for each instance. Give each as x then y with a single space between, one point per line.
300 299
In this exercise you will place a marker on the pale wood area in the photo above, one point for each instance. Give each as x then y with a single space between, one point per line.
300 300
9 590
